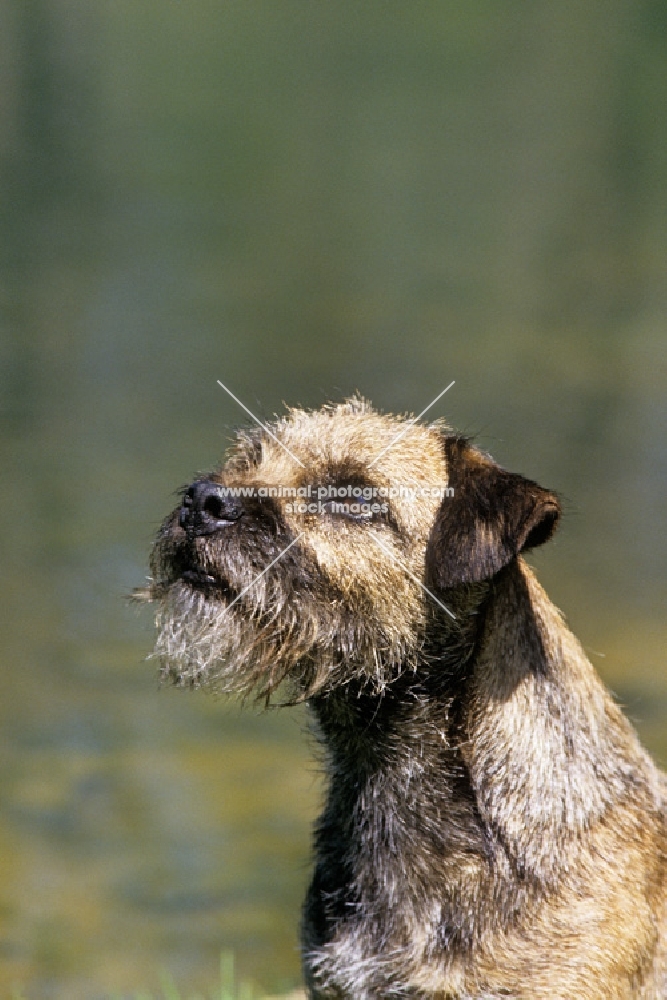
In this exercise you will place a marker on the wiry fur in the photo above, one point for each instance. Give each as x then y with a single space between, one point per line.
493 827
317 620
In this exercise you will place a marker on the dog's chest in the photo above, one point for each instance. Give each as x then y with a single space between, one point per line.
395 911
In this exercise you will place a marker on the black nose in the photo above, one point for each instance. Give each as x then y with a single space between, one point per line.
206 508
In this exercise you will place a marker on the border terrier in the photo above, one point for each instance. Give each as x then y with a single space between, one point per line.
492 826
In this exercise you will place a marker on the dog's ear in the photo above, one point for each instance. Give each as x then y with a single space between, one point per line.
492 516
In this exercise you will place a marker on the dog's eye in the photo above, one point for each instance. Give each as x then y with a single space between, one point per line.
351 510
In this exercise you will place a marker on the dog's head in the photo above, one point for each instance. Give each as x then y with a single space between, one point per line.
328 546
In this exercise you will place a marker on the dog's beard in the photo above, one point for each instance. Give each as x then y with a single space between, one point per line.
250 649
204 642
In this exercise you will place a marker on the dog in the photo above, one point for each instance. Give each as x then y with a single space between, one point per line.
492 827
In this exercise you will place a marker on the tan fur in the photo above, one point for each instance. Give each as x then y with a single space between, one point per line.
493 827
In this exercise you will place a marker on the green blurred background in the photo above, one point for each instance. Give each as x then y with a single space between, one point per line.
300 198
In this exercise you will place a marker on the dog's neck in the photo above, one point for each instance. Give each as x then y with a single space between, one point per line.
548 751
471 763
